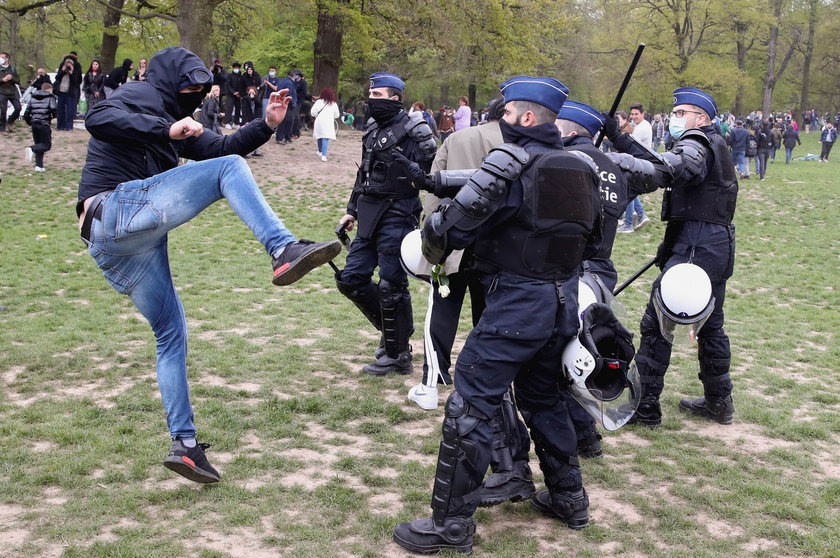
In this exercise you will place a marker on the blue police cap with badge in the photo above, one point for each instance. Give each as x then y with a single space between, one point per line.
693 96
545 91
582 114
383 79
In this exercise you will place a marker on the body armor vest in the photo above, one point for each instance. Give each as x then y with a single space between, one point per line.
382 177
547 237
713 200
614 193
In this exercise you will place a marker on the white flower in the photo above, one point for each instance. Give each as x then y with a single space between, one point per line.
444 291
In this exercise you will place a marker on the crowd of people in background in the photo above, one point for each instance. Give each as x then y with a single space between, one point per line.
240 95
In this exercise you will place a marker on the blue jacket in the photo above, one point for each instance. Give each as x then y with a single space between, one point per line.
289 83
130 129
738 138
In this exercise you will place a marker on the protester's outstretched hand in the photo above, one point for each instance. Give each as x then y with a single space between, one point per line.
278 103
185 128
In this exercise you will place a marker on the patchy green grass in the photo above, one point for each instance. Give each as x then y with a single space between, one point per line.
320 460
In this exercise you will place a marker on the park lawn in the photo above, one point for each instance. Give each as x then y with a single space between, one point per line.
319 459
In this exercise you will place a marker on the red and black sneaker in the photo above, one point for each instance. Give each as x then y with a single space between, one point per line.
191 463
301 257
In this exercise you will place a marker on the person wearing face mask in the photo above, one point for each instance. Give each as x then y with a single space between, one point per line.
233 96
386 204
132 193
285 129
270 84
698 207
532 211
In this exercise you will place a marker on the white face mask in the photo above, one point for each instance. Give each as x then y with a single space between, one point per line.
272 74
676 127
2 61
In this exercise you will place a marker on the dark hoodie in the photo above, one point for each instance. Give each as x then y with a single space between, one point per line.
119 75
130 129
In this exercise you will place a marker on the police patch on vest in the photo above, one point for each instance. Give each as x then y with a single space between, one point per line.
564 193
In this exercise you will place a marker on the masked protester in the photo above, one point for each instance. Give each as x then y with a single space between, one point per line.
132 193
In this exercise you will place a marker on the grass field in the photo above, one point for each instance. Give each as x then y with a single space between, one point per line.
320 460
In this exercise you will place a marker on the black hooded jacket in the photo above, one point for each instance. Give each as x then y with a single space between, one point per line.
119 75
130 129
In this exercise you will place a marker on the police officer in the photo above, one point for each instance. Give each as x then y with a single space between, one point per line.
622 177
386 204
698 206
530 209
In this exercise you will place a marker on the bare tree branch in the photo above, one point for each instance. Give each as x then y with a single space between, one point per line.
150 15
23 9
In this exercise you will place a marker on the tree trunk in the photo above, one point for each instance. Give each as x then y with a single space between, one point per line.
471 92
770 76
110 35
806 63
741 61
195 26
328 42
444 94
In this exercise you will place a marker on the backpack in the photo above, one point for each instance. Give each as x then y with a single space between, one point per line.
752 147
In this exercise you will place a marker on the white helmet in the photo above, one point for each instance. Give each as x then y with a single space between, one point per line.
683 301
599 366
416 265
591 290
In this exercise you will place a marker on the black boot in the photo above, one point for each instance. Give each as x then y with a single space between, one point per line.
504 486
590 446
570 507
648 413
397 327
719 409
425 537
385 364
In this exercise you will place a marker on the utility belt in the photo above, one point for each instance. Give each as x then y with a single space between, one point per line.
94 211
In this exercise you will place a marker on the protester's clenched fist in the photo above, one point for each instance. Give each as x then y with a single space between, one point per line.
185 128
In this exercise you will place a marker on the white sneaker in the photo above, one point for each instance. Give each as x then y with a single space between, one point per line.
324 158
228 127
624 229
642 223
27 154
40 169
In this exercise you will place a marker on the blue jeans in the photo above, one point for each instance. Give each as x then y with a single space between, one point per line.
65 110
323 145
739 158
129 245
634 204
788 153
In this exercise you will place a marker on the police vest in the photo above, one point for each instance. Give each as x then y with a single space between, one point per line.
714 199
383 177
559 210
614 195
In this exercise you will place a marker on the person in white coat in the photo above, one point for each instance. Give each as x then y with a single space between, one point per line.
324 111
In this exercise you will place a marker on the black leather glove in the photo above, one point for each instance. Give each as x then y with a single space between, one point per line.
434 243
418 176
611 127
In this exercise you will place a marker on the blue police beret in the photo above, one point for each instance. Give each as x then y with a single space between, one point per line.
693 96
582 114
545 91
383 79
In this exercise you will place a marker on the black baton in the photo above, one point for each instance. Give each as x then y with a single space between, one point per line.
634 277
623 87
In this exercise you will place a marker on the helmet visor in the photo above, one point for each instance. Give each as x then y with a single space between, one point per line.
615 413
679 329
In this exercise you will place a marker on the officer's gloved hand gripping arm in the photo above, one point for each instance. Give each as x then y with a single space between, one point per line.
645 169
454 225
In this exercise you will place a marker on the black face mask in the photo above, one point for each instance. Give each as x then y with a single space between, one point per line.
188 102
384 110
